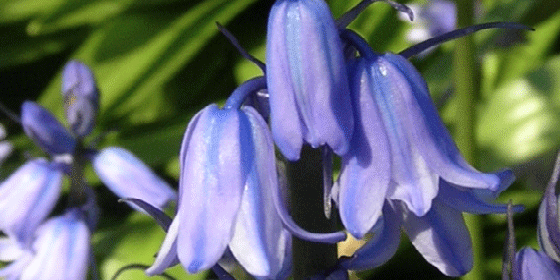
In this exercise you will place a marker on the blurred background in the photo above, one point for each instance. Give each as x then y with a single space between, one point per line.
157 62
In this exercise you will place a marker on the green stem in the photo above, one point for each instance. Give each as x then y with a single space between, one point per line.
78 192
467 88
305 179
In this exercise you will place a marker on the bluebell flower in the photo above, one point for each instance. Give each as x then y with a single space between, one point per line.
228 174
401 150
43 128
306 78
81 97
60 250
27 197
132 178
532 264
440 235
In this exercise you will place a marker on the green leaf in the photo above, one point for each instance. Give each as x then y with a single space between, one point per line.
522 118
134 242
138 53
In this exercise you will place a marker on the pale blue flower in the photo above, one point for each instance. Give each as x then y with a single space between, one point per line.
81 97
27 197
531 264
60 251
401 150
306 78
228 174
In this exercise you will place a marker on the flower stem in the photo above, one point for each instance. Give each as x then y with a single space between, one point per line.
78 192
467 87
305 179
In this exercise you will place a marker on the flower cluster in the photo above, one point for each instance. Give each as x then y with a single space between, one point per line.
28 196
327 89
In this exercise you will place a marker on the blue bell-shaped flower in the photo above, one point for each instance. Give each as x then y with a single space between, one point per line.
41 126
401 149
306 78
228 174
81 97
60 250
27 197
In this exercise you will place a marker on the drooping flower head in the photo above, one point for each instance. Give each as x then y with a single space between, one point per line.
60 250
41 126
132 178
404 168
401 149
81 97
306 78
227 176
27 197
528 263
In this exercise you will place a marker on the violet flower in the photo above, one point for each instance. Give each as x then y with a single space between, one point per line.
137 182
60 250
29 194
228 175
531 264
306 77
401 150
545 264
81 97
27 197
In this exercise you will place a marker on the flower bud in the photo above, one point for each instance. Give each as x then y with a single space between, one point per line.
81 97
41 126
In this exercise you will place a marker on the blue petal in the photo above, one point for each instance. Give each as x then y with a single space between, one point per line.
382 246
430 135
167 254
41 126
468 200
81 97
413 179
62 249
258 242
27 197
215 158
128 177
306 78
442 238
531 265
366 169
548 230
